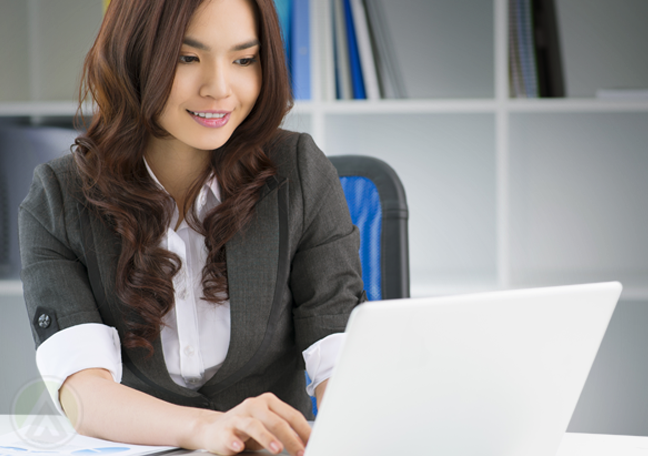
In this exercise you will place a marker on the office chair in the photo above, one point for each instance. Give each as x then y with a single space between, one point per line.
378 207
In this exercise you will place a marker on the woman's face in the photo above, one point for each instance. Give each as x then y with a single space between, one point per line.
218 77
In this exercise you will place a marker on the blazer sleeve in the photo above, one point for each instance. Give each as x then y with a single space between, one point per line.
55 280
326 277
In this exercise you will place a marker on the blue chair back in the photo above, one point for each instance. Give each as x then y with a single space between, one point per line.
363 200
378 207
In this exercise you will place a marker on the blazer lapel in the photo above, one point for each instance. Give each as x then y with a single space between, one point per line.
252 271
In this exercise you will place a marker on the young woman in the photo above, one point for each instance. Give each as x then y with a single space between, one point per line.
189 258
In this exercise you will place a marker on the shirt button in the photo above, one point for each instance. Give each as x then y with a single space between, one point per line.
44 321
189 350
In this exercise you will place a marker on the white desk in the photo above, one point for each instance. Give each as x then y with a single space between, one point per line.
572 444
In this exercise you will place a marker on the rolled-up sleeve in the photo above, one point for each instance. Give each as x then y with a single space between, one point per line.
74 349
320 359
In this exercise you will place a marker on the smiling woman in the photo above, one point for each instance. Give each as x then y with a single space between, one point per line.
189 257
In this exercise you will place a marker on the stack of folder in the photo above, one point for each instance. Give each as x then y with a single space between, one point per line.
356 53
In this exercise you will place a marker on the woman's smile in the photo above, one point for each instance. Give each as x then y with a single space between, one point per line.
211 119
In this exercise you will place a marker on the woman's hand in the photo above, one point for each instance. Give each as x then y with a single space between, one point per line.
100 407
256 423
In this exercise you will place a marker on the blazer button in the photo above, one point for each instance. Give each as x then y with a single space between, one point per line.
44 321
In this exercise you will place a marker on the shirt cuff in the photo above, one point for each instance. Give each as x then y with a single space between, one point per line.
85 346
321 358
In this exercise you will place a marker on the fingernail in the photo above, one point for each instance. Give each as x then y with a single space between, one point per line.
300 453
236 446
274 446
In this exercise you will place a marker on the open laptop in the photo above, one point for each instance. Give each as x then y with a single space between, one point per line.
485 374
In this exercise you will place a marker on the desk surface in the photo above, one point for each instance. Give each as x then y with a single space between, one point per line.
572 445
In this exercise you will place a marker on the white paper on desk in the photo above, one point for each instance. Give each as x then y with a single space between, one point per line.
42 443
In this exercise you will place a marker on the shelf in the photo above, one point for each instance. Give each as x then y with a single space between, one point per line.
10 288
404 106
42 109
554 105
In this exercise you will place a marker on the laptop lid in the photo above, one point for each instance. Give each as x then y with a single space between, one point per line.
495 373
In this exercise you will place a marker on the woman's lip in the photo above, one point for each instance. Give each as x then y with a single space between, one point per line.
209 111
214 122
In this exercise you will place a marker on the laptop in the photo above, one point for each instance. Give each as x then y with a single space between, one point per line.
495 373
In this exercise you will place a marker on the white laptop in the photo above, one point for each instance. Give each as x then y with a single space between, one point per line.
488 374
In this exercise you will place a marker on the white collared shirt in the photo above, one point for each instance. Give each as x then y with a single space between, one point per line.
195 334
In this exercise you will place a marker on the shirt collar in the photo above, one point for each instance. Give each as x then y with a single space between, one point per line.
211 187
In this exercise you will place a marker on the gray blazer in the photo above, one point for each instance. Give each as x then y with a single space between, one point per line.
294 277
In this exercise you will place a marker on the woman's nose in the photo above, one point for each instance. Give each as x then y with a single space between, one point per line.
215 83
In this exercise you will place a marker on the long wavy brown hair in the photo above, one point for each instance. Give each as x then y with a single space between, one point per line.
128 75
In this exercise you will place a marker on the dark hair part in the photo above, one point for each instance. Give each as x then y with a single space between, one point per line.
128 75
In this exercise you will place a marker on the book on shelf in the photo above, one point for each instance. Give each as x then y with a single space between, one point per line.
369 75
300 52
516 82
525 48
535 65
390 79
357 81
547 49
284 8
322 22
355 53
342 64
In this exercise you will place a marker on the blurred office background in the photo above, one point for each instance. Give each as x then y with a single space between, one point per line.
503 192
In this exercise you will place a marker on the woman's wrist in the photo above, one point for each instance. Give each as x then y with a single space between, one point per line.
319 392
194 436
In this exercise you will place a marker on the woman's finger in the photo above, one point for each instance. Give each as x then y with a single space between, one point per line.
246 427
283 431
293 417
287 427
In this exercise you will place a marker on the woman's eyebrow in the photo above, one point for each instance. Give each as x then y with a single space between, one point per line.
194 43
246 45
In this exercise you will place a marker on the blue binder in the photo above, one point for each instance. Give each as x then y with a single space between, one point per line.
301 50
354 55
284 8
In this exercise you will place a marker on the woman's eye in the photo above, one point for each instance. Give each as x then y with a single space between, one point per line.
188 58
246 62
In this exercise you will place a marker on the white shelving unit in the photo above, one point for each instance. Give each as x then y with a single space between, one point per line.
474 163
